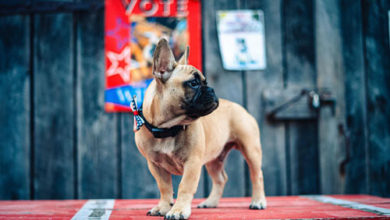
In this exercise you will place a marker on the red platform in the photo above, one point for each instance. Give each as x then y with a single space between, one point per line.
287 207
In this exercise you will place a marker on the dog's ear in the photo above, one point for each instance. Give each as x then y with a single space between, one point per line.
184 59
163 61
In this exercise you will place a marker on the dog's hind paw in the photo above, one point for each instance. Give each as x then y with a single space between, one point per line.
261 204
208 204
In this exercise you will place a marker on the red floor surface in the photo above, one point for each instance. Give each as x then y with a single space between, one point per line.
290 207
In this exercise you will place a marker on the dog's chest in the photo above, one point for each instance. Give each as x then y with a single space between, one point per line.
165 154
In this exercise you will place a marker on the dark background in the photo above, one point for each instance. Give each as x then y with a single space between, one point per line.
56 141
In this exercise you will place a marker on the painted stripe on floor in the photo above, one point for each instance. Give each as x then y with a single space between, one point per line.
349 204
95 209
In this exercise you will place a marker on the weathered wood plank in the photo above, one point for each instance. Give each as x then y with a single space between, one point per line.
97 138
330 75
377 60
258 82
356 177
15 108
227 84
53 107
298 35
302 138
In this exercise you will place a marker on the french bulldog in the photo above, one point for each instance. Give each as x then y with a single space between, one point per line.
186 127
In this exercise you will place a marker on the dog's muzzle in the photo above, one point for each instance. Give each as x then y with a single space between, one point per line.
203 103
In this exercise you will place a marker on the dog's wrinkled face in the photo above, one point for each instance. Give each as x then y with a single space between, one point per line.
184 88
200 99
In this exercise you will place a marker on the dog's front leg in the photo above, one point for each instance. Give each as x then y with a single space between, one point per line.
164 183
187 189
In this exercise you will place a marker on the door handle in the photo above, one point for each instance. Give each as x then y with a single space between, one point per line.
315 100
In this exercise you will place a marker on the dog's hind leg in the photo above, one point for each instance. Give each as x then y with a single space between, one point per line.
251 149
219 178
215 169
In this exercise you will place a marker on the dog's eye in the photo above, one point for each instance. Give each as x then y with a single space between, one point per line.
194 83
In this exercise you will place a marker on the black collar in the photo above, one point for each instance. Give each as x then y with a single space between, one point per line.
162 132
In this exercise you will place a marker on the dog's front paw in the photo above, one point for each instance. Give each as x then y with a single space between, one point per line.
260 204
159 210
178 213
209 203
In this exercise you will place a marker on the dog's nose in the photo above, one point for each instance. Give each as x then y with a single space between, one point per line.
212 94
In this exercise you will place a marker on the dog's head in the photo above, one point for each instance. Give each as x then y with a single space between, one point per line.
184 88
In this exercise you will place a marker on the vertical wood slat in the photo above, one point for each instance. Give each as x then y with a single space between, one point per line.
53 107
97 140
303 162
356 178
259 83
227 84
299 64
15 108
330 75
377 62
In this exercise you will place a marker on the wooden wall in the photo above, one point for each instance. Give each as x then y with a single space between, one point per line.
367 70
56 141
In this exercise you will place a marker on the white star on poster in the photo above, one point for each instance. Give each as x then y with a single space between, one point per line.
120 64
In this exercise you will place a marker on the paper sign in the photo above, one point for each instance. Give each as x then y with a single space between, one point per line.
241 39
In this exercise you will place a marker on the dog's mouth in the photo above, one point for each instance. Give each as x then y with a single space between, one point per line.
203 111
203 103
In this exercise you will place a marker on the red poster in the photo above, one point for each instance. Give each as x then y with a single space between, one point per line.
132 30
